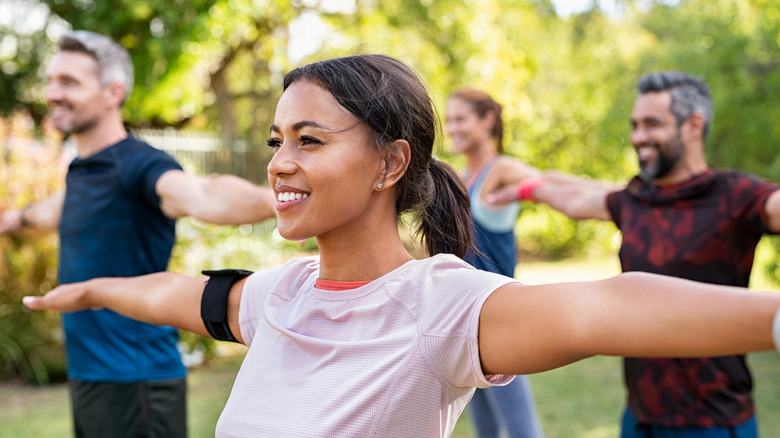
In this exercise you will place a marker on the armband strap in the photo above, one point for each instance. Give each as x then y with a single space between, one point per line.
525 190
776 331
213 304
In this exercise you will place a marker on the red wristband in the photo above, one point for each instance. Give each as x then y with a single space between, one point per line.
525 190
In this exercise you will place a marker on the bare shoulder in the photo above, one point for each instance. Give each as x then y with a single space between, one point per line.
510 170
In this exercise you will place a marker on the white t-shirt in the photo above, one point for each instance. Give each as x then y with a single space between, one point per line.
397 357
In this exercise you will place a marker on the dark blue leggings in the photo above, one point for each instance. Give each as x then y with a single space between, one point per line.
509 407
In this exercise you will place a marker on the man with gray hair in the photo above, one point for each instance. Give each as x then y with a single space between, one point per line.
116 218
679 218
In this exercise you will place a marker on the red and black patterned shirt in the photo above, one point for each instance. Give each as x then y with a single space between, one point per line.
705 229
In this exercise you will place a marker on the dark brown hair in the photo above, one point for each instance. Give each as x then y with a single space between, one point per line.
393 102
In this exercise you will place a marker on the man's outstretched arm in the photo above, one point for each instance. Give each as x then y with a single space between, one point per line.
222 199
41 215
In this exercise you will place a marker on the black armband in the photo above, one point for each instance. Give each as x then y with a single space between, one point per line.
213 304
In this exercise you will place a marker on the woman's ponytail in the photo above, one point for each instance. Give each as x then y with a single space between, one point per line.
445 221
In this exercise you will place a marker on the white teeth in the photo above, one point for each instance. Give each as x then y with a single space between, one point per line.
290 196
57 110
645 152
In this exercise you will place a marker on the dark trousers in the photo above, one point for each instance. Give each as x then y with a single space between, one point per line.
156 409
630 428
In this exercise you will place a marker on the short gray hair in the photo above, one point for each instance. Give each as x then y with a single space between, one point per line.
689 95
114 64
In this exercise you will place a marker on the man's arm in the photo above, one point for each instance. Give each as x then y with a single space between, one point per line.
42 215
223 199
574 196
773 212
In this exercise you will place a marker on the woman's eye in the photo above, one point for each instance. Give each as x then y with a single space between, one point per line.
273 142
306 140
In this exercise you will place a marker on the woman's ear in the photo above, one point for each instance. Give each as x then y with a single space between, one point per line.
394 164
490 118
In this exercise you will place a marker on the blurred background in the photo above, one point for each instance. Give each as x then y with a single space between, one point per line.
208 74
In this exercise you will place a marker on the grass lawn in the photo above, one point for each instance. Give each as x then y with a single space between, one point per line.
582 400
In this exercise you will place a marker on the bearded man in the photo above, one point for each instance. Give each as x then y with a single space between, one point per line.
681 218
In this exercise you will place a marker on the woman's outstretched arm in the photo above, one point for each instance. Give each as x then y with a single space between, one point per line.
527 329
163 298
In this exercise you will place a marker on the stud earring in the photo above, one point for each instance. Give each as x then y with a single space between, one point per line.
379 186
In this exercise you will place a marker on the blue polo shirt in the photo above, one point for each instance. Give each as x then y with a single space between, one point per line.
112 226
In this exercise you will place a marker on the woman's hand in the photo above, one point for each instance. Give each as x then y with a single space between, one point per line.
70 297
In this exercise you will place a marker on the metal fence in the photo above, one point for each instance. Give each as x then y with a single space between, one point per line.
206 153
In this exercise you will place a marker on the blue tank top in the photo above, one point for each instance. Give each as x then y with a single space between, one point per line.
493 229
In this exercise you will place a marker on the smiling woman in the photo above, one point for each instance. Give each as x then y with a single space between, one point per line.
307 155
407 340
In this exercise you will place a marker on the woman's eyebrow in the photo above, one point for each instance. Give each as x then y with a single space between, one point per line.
303 124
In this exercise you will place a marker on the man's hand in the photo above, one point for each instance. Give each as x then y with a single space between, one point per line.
10 221
502 196
523 191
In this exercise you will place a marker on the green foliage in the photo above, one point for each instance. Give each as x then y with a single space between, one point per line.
30 342
153 32
548 234
767 261
20 58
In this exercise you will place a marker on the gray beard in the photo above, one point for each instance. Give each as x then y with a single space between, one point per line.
78 128
665 162
656 169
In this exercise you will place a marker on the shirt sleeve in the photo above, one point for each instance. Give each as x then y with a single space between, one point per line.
749 194
143 168
449 314
256 290
285 279
613 205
